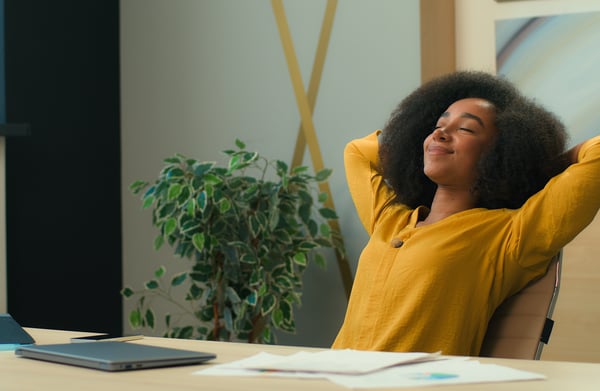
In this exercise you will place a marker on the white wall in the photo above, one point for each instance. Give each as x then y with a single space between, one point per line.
196 74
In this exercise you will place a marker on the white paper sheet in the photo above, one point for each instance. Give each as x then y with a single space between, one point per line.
435 373
238 368
339 361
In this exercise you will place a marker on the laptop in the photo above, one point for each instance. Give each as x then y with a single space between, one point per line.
113 355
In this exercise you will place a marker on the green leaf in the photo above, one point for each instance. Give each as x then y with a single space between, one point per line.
320 260
268 304
281 167
228 317
224 205
174 173
170 226
328 213
158 273
198 240
249 259
178 279
173 160
306 245
282 236
202 200
212 179
299 169
284 282
262 290
185 332
158 242
267 337
256 277
127 292
323 196
202 168
251 298
325 230
152 284
189 225
137 186
249 157
304 213
306 197
135 319
149 317
205 295
274 219
277 317
194 292
234 163
313 228
174 191
165 211
190 207
210 191
323 174
148 201
254 225
240 144
300 259
232 295
286 310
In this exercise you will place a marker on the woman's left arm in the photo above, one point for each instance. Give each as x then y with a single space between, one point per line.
572 155
555 215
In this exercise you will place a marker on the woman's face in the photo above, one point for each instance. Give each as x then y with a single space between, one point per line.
462 134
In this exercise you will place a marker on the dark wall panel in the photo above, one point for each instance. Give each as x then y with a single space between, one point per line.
63 181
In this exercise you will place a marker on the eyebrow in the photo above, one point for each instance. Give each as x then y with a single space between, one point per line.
466 115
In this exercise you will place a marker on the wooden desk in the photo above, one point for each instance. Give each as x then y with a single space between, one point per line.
21 374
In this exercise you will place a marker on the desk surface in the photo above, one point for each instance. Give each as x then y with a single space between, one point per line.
25 374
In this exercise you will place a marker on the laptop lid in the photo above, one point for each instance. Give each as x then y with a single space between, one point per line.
112 355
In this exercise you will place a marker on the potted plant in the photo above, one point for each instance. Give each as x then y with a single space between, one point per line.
249 229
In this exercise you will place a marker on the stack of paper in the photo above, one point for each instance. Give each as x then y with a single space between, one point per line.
362 369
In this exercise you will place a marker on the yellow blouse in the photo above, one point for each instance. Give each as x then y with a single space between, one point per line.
434 288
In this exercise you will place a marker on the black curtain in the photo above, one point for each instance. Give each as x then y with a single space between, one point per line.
63 181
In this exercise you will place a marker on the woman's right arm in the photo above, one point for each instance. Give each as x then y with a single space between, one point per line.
367 188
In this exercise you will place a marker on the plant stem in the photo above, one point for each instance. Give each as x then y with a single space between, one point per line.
216 320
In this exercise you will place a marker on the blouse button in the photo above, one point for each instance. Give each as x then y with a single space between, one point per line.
397 242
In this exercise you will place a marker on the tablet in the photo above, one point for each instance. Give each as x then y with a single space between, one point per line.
113 355
12 333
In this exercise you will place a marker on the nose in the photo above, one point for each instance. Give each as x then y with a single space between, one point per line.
440 134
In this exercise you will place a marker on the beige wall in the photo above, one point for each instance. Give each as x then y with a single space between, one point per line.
577 314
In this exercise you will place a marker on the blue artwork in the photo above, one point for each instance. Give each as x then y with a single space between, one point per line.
555 60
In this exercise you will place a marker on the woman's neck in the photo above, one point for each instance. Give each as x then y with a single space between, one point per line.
448 201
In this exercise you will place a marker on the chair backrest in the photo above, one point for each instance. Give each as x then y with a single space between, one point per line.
522 324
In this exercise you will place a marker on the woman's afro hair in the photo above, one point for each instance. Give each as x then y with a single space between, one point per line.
526 154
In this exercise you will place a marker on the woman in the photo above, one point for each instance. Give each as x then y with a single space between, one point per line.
466 195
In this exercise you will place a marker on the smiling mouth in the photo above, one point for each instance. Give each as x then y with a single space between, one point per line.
435 150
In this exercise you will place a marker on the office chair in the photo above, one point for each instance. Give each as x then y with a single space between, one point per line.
521 325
